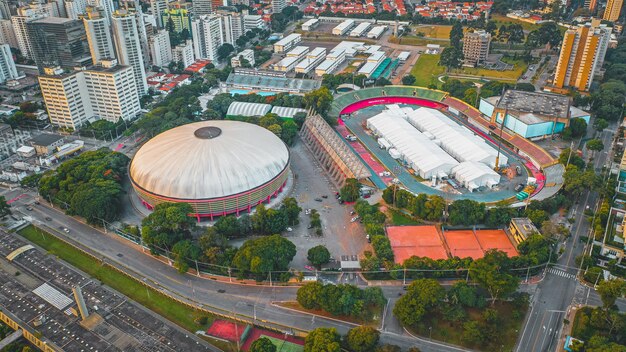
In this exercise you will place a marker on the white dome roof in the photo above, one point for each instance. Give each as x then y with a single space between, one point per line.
208 159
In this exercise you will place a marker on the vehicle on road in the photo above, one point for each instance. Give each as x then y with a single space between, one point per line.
289 229
48 218
324 196
354 219
29 208
66 230
319 200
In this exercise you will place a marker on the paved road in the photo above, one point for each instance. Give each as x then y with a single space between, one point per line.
553 296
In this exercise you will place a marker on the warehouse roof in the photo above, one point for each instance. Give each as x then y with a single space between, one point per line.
239 108
542 103
285 112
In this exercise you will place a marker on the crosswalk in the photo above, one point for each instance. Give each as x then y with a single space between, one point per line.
561 273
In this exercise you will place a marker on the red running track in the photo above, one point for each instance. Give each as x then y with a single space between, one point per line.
391 100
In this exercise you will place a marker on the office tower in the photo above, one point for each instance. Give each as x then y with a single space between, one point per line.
613 10
66 97
74 8
184 53
105 6
179 13
278 6
476 47
59 42
7 65
112 91
24 15
207 36
98 36
157 7
582 55
160 48
56 8
7 34
128 46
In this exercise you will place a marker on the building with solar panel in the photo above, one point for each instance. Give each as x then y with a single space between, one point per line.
212 165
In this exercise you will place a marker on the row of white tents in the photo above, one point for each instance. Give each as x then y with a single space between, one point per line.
434 146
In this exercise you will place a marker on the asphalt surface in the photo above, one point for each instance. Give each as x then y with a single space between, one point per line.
559 289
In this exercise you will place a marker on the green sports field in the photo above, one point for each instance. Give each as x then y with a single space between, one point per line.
284 346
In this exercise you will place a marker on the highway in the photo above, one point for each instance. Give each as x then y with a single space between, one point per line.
552 297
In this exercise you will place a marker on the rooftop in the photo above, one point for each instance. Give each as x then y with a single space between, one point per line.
45 139
54 20
541 103
272 83
525 226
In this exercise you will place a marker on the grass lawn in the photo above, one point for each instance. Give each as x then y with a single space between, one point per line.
433 31
501 19
512 75
284 346
450 332
401 219
374 322
170 309
426 70
419 41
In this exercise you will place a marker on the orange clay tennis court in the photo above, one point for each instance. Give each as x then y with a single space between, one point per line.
495 239
420 241
463 244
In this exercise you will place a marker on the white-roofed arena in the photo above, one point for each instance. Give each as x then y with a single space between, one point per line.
213 165
239 108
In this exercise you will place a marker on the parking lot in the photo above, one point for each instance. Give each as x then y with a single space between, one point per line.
340 235
125 326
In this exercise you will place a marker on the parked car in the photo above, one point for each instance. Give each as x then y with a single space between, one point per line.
319 200
48 218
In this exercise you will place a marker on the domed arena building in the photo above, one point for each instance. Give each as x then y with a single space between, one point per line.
218 167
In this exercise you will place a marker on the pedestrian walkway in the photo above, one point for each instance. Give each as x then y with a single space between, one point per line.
561 273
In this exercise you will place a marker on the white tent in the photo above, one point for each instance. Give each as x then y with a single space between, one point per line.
473 174
419 152
456 140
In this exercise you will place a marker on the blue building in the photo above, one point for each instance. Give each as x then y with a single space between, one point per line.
533 115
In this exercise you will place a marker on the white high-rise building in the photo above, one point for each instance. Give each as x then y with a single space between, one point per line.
160 48
105 92
128 47
184 53
7 34
207 36
278 5
5 10
112 91
74 8
98 36
7 65
157 7
66 97
105 6
232 25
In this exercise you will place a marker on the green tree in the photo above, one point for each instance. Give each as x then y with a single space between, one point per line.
224 50
227 226
289 132
456 35
578 127
490 273
421 297
362 339
5 209
262 344
600 124
265 254
309 295
465 295
350 190
610 291
595 145
323 340
466 212
408 80
275 129
318 255
577 181
167 224
472 332
319 99
291 210
183 252
451 57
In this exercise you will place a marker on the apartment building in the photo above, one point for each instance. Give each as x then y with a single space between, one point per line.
476 47
128 46
160 48
184 53
98 32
